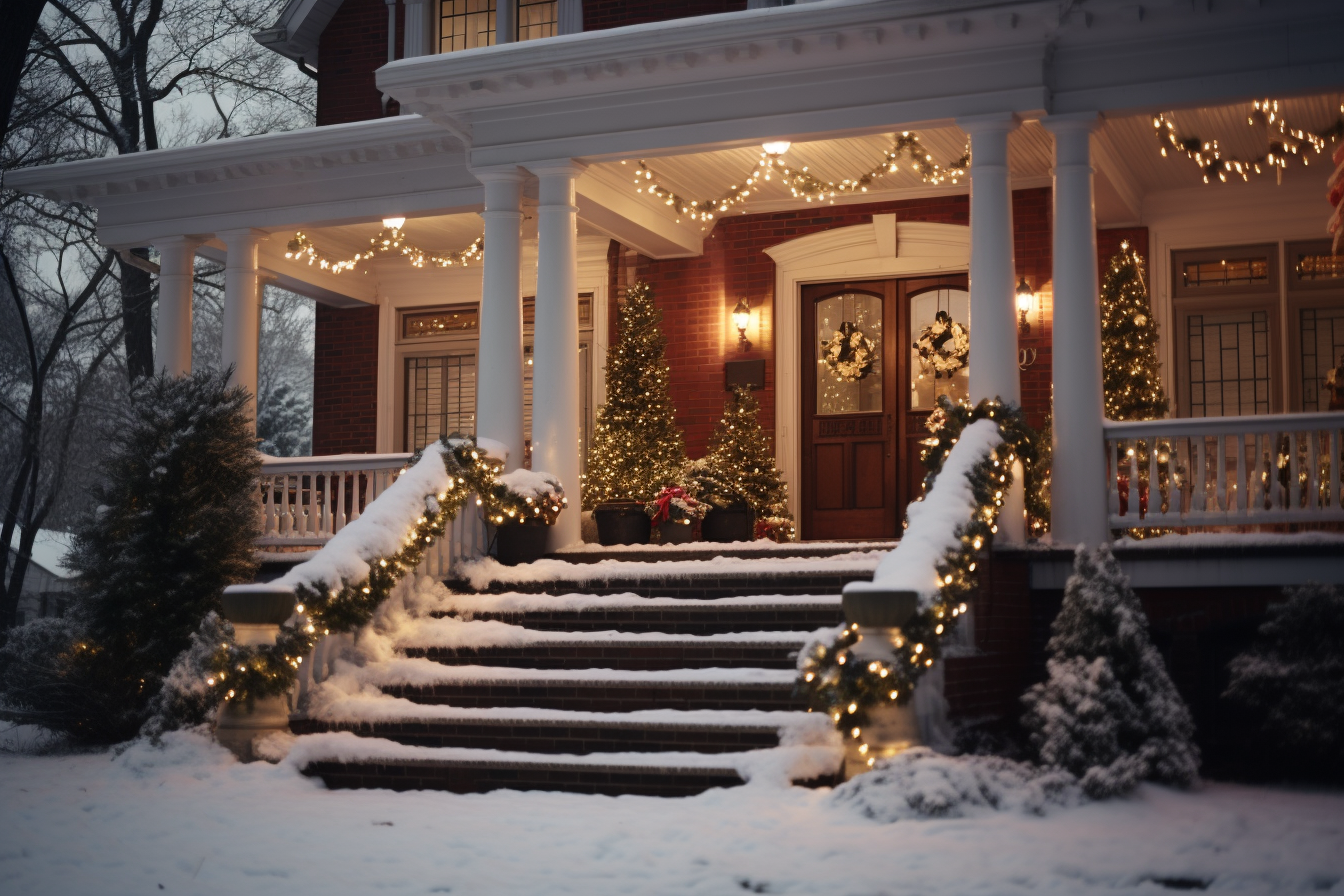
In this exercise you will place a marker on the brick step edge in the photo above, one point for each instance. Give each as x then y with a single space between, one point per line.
666 620
628 657
604 696
681 586
481 778
555 736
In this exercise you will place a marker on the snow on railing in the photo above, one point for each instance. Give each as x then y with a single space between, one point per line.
310 500
1225 471
307 500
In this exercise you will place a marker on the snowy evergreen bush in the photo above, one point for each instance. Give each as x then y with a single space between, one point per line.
172 523
1108 711
1292 679
285 422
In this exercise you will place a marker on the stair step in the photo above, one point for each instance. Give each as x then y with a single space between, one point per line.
546 736
344 761
616 653
705 550
700 587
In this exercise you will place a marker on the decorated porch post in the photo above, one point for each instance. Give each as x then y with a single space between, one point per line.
1078 473
172 345
242 310
499 377
993 360
555 379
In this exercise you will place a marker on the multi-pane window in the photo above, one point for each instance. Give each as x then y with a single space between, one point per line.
1316 325
1322 337
467 24
1228 369
440 398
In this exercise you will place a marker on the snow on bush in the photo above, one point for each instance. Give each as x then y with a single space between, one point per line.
1292 677
1108 711
920 783
531 484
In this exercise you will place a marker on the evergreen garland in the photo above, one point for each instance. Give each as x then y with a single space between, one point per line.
637 448
740 468
845 690
244 673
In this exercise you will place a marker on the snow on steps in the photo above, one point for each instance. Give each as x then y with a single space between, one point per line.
467 694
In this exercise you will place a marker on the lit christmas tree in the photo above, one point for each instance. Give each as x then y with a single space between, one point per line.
1129 342
637 448
741 466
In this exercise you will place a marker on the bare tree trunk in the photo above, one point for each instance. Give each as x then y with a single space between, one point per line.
20 18
137 317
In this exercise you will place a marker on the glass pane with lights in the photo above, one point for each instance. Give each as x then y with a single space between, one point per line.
440 322
536 18
849 354
440 398
1322 365
466 24
942 314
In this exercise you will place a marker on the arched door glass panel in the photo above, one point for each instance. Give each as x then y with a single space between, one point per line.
939 321
849 354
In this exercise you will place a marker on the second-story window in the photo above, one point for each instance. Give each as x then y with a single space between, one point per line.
466 24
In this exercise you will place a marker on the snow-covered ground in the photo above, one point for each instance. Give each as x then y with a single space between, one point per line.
188 819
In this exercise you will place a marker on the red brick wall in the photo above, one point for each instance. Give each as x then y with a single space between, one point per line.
600 14
351 48
345 380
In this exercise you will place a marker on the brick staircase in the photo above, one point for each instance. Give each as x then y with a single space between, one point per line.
597 674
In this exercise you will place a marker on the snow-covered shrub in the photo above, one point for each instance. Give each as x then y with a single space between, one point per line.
1292 678
171 524
920 783
1107 711
186 700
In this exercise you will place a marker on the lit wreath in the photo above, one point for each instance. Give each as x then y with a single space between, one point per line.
943 346
849 353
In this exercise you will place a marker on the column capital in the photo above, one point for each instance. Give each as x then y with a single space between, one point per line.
184 242
557 167
499 173
242 237
1072 122
989 121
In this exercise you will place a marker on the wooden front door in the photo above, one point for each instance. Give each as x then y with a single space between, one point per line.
860 437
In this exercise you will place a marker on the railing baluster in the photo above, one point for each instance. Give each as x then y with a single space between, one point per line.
1154 481
1336 499
1294 486
1240 504
1112 478
1132 463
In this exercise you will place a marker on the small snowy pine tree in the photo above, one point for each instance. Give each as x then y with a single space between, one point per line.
175 522
741 466
1108 711
1292 679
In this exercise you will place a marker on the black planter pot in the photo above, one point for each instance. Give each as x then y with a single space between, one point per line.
676 531
622 522
735 523
520 543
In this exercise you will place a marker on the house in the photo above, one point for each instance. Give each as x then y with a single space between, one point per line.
487 180
47 583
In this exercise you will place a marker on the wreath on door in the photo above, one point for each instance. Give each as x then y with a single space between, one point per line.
849 353
943 346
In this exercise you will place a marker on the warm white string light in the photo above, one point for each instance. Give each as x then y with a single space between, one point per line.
1209 156
388 240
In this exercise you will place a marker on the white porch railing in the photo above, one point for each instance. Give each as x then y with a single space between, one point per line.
306 500
1225 471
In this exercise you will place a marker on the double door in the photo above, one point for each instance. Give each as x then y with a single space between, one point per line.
865 397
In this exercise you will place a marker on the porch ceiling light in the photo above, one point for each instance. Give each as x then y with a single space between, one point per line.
776 147
1025 300
393 223
741 318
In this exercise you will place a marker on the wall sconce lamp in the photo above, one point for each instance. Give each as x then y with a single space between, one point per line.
1025 300
742 317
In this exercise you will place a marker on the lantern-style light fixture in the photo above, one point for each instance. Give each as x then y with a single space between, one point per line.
1025 300
741 318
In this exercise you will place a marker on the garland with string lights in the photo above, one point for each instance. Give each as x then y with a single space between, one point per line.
846 690
506 503
802 183
243 673
1209 156
389 240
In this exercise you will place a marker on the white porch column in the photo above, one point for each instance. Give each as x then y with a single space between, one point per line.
993 324
418 39
499 359
1078 477
555 353
242 309
172 345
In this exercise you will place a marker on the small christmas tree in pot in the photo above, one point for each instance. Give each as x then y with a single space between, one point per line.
637 448
739 480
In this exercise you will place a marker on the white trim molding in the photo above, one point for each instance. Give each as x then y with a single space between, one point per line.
883 249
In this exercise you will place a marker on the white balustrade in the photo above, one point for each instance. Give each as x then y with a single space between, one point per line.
1225 471
306 500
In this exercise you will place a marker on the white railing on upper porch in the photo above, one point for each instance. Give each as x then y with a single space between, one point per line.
306 500
1225 471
